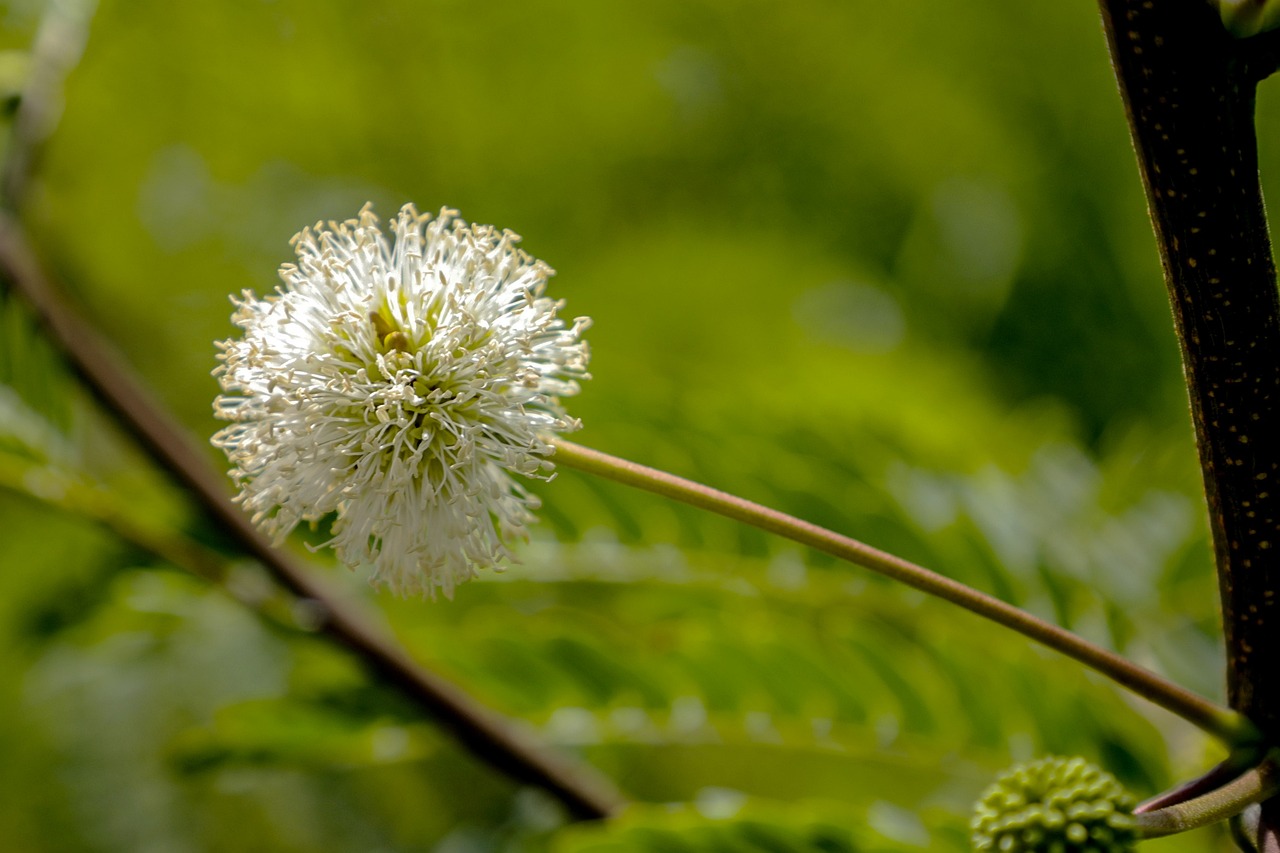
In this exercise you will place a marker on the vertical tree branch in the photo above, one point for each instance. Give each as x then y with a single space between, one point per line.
1188 88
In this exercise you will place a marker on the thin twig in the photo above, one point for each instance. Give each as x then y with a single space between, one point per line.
1214 719
1232 766
1252 786
59 43
484 733
53 488
487 735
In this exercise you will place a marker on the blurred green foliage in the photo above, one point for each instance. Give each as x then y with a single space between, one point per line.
884 266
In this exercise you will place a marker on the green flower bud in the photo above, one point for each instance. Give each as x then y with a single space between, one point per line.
1246 18
1065 805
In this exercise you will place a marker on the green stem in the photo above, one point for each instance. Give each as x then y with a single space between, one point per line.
52 488
1240 760
1223 723
81 500
1252 786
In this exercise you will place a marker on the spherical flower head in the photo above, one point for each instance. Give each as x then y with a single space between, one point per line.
397 384
1055 804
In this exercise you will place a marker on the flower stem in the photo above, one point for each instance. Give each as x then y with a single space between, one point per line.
1223 723
1252 786
1232 766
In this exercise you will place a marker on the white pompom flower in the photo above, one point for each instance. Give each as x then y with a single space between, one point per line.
397 385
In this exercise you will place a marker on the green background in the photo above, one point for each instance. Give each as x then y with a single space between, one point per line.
885 266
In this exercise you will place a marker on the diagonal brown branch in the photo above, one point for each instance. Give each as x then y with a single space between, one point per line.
487 735
484 733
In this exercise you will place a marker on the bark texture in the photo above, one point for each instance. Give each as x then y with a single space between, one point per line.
1189 89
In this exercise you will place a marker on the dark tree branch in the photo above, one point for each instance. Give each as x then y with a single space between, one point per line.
1189 94
1188 89
487 735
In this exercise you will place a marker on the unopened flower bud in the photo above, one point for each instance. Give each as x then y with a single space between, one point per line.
1055 804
